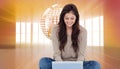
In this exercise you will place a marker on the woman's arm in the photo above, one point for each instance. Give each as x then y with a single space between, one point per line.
82 44
55 43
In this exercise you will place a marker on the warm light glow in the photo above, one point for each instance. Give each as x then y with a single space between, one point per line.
88 25
28 33
17 32
96 32
38 29
17 27
35 32
94 28
22 32
101 31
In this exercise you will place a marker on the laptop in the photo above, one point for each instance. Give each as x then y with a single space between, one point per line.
67 65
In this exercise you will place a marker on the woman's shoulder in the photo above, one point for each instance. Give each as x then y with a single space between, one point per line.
83 32
82 29
54 31
55 28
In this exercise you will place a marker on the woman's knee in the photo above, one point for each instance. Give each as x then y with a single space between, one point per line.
96 64
45 61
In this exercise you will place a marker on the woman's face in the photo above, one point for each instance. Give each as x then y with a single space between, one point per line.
69 19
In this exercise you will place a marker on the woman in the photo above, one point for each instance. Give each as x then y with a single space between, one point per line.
69 40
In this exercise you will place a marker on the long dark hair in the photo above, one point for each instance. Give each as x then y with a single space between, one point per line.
62 34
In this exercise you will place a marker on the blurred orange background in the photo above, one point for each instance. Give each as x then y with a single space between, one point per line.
12 11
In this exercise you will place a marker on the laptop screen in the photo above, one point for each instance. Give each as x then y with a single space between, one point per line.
67 65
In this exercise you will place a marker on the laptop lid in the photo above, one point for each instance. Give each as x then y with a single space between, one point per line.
67 65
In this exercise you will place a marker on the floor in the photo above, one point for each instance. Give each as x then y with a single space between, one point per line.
28 57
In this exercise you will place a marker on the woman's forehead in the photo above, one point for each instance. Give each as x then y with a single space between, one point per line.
69 14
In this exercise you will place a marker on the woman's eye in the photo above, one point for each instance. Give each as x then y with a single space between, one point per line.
66 18
72 18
